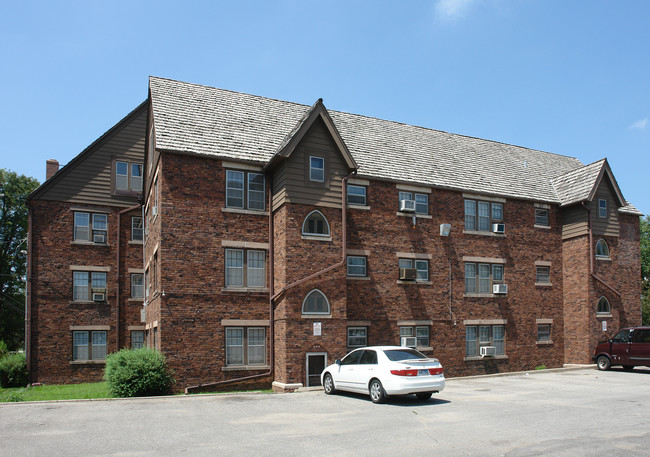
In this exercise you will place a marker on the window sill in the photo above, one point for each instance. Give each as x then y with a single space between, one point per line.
225 290
479 358
545 343
88 362
245 211
603 316
419 283
360 207
545 227
140 242
136 300
484 233
316 316
424 348
317 238
606 259
87 243
246 368
543 284
482 295
88 302
358 278
417 215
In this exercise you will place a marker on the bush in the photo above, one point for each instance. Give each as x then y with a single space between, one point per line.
13 370
3 349
138 373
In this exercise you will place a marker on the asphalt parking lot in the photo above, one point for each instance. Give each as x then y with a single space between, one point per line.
558 413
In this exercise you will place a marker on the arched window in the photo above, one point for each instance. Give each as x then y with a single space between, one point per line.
602 250
315 224
603 306
315 303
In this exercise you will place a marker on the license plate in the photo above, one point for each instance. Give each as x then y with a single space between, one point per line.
423 372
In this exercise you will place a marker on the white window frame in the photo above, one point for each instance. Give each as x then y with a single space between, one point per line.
246 346
137 227
421 201
481 276
93 226
602 242
307 297
245 270
542 274
130 180
316 173
481 214
93 349
543 333
484 335
602 208
604 300
421 333
363 267
305 225
137 290
139 341
356 192
362 336
542 217
420 265
84 280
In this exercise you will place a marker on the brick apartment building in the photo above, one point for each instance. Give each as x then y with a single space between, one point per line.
267 238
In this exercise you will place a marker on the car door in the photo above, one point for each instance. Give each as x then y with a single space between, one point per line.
621 347
640 347
344 377
364 371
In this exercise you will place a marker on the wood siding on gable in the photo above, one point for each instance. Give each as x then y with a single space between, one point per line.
89 181
574 222
605 226
291 182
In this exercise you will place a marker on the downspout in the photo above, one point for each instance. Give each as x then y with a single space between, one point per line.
591 254
188 389
28 298
117 297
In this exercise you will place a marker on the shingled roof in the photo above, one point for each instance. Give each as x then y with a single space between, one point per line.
203 120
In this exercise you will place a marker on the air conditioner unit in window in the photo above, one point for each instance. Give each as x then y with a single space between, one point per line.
99 238
407 206
499 228
143 315
154 210
500 288
488 351
408 274
99 296
409 341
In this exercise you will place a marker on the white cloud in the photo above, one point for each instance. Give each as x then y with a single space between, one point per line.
641 124
453 9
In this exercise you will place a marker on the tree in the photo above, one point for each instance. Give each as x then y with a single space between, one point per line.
14 190
645 269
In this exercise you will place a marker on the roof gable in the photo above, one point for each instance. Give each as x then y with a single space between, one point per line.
581 184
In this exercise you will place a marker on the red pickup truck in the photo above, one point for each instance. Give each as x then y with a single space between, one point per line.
629 348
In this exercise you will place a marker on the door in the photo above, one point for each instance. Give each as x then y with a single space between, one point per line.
316 363
365 370
621 348
640 347
344 377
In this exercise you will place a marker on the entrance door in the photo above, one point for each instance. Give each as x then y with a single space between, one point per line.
316 363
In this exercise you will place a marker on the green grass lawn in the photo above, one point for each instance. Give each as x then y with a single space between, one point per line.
56 392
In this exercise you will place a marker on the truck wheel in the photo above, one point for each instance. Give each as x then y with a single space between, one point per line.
603 363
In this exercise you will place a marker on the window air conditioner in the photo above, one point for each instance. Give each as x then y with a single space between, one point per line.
500 288
143 315
154 210
409 341
499 228
407 206
488 351
99 296
99 238
408 274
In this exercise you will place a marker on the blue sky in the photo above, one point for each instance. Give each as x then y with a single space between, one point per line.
571 78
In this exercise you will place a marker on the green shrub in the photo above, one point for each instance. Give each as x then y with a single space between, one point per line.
138 373
13 370
3 349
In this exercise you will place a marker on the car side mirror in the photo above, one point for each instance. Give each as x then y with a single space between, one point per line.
338 362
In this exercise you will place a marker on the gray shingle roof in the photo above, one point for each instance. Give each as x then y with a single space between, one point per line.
577 185
230 125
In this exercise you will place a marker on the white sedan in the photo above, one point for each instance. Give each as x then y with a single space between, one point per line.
385 370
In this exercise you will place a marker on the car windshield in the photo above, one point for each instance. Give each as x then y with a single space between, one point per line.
396 355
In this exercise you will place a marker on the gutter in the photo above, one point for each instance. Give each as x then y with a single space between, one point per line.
591 254
117 286
28 297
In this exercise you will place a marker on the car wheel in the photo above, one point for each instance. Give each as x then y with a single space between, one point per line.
423 395
603 363
377 392
328 384
628 367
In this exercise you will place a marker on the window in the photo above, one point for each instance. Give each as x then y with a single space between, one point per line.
357 336
543 332
87 286
245 268
137 339
477 336
543 274
315 303
422 267
317 169
245 346
421 333
137 230
602 208
356 195
137 285
315 224
356 266
602 250
421 201
479 277
245 190
541 217
128 176
88 345
480 215
91 227
603 306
